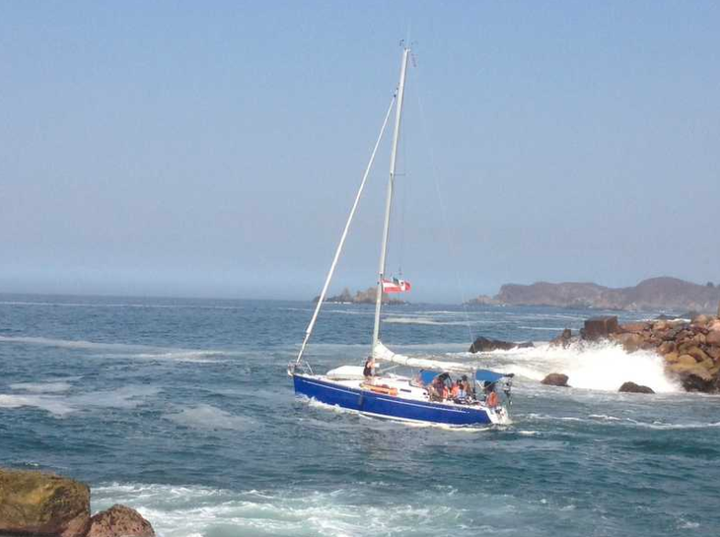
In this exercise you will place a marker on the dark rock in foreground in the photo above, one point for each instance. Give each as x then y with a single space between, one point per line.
556 379
34 503
483 344
631 387
120 521
39 503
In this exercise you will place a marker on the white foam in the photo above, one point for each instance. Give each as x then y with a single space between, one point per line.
123 350
52 404
209 417
42 387
602 366
62 405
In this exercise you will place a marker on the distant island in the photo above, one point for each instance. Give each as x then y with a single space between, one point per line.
651 294
361 297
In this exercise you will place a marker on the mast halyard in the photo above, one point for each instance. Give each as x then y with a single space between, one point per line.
388 204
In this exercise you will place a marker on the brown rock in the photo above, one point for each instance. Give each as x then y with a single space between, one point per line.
483 344
671 357
700 319
630 342
666 347
695 370
631 387
120 521
599 327
42 503
687 360
714 353
698 354
633 328
556 379
713 337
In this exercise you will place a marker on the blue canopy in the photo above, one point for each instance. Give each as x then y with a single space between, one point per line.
428 376
485 375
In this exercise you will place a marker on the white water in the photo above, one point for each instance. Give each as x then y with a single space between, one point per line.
601 366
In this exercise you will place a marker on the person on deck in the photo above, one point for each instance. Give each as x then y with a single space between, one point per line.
369 369
437 389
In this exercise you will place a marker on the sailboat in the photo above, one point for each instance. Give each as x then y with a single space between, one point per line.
479 396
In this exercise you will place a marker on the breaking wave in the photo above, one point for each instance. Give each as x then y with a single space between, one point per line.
600 366
209 417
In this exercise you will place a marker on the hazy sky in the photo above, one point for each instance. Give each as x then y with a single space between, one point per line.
214 148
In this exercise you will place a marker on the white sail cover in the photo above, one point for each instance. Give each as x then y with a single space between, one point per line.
382 353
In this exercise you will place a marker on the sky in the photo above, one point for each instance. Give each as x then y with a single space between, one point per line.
213 149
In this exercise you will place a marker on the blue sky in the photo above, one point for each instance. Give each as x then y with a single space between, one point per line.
213 149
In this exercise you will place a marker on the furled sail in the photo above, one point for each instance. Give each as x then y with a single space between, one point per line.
382 353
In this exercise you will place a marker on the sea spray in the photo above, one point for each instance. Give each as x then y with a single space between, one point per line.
595 366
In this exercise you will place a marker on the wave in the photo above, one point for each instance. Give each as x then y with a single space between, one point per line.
62 405
56 386
209 417
600 366
124 350
625 422
184 511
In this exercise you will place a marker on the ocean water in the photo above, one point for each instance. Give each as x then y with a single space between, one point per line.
183 410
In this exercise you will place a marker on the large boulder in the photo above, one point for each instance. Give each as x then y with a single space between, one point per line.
599 328
483 344
630 342
631 387
34 503
120 521
556 379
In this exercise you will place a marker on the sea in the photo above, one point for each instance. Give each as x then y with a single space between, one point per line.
183 410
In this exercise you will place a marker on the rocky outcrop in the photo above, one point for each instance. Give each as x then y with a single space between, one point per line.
631 387
39 503
120 521
691 350
651 294
361 297
556 379
599 328
483 344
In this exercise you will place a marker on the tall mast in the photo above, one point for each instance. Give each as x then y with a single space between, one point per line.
388 204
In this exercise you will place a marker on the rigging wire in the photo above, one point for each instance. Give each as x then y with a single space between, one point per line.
452 246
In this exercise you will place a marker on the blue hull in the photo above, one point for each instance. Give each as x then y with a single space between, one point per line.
388 406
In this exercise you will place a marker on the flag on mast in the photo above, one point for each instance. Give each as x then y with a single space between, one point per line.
395 285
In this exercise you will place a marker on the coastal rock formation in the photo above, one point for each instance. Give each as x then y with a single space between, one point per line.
651 294
483 344
361 297
631 387
39 503
691 350
563 340
556 379
120 521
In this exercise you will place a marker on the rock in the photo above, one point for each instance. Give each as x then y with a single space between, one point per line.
633 327
630 342
713 337
714 353
120 521
671 357
42 503
698 354
686 359
599 327
631 387
697 370
483 344
666 347
556 379
700 319
563 339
